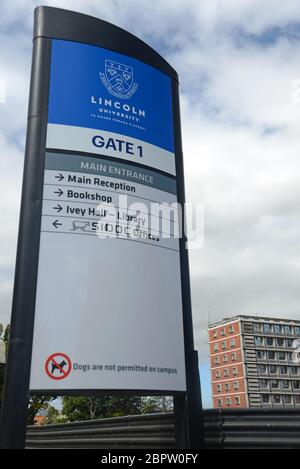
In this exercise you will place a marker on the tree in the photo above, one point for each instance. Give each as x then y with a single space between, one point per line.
52 415
88 408
82 408
4 336
85 408
36 404
155 404
124 405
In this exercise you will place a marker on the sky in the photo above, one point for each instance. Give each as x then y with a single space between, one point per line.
239 69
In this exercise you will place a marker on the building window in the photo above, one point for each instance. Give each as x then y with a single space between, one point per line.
271 355
297 400
226 372
282 356
224 345
222 332
294 370
217 361
259 341
274 384
264 384
219 402
216 347
218 374
276 399
280 342
262 369
227 387
285 385
277 329
228 401
232 343
289 343
257 327
265 398
219 387
270 341
297 331
236 385
296 385
231 329
215 334
273 370
260 355
283 370
225 359
288 330
234 357
234 371
237 400
287 399
267 329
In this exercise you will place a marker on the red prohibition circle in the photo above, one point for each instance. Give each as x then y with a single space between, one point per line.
64 373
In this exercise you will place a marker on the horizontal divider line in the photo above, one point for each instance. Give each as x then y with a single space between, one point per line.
111 159
111 177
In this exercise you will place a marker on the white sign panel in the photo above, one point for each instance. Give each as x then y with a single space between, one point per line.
108 303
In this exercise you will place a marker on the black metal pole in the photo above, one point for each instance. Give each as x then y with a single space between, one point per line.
194 404
15 399
180 421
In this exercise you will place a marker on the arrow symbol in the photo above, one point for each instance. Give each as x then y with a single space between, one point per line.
56 223
59 177
59 192
58 208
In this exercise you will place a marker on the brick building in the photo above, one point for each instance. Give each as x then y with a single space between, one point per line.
255 362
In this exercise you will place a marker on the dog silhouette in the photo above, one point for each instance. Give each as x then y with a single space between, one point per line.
60 367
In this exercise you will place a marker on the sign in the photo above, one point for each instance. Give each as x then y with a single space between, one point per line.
58 366
109 280
102 292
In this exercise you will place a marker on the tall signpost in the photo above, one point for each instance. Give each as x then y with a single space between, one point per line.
102 292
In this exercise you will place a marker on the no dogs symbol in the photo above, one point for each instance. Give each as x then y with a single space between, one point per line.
58 366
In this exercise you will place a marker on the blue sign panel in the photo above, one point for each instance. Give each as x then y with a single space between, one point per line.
96 88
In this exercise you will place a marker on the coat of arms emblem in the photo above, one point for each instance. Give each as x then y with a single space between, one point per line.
118 79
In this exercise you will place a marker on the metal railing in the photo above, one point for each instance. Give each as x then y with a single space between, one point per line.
135 431
252 428
224 428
